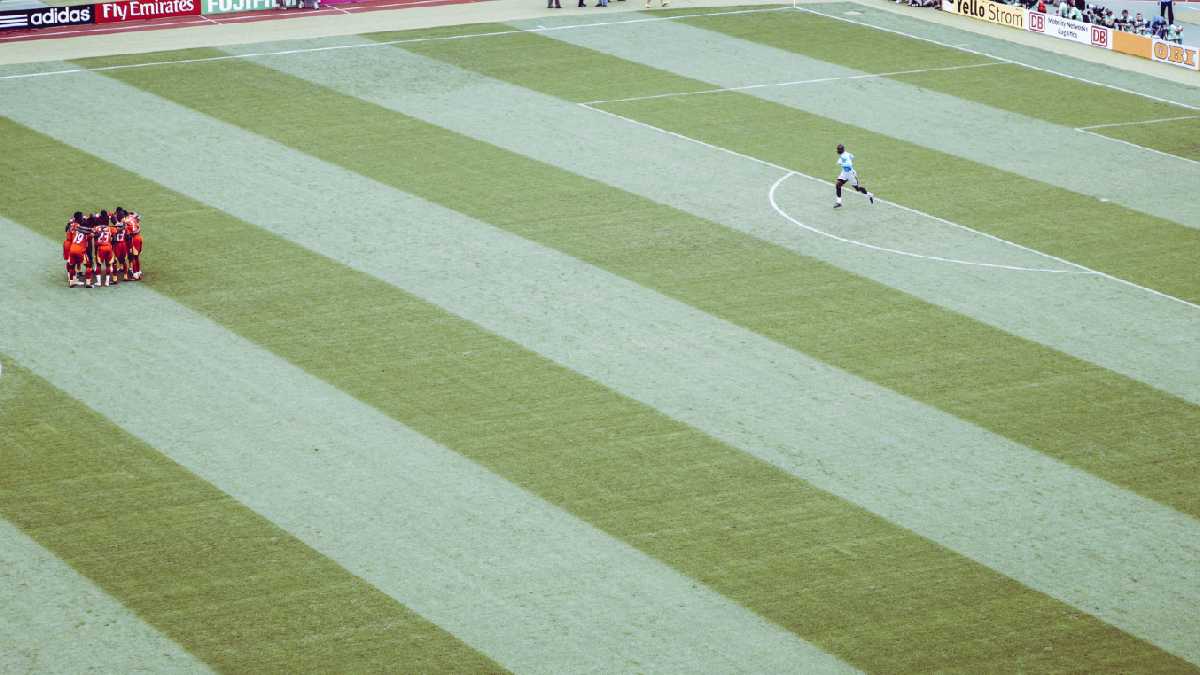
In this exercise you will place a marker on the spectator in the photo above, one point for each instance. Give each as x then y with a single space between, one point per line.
1076 15
1139 24
1175 34
1064 10
1041 7
1124 21
1158 27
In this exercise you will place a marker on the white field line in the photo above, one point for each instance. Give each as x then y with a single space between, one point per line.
747 87
1001 58
1140 122
786 170
309 50
1084 130
546 29
883 249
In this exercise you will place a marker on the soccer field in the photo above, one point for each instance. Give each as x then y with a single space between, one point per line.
539 347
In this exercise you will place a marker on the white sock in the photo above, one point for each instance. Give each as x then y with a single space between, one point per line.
839 200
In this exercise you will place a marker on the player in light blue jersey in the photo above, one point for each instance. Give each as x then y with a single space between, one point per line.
848 175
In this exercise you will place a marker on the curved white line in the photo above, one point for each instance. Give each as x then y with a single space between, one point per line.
910 254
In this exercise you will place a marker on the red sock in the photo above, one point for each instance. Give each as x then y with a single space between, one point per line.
70 272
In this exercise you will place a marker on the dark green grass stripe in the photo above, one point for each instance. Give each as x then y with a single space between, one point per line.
211 574
1183 136
870 592
1124 431
1008 87
1147 250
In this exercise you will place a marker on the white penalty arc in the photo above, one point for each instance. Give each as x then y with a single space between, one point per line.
908 254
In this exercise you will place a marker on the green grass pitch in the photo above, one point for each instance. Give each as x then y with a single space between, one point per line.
540 347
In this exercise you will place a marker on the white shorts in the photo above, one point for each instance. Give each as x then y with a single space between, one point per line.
849 176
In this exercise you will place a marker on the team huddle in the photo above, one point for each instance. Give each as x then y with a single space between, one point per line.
103 248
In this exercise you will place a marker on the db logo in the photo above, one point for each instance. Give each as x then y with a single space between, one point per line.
1099 36
1037 22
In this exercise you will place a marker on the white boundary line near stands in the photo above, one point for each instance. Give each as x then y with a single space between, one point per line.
1000 58
1083 269
545 29
818 80
442 38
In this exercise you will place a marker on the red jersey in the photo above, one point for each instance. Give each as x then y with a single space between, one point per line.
80 237
103 235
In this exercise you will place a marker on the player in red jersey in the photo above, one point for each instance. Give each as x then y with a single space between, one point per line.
68 234
77 253
102 235
120 245
133 230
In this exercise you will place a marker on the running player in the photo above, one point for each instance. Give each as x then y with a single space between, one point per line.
848 174
133 231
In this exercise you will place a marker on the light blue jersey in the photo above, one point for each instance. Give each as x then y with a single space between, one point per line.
846 161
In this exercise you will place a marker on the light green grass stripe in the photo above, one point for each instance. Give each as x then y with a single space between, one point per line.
967 354
217 578
515 577
1012 387
686 364
56 621
1153 252
817 565
1115 326
917 115
1017 89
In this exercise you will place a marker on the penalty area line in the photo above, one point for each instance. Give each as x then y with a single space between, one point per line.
1140 122
818 80
787 171
884 249
1084 130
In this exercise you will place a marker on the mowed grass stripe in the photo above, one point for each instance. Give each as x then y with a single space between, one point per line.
1060 100
1133 245
955 127
1055 310
408 516
696 369
55 620
817 565
223 582
1037 94
1121 430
